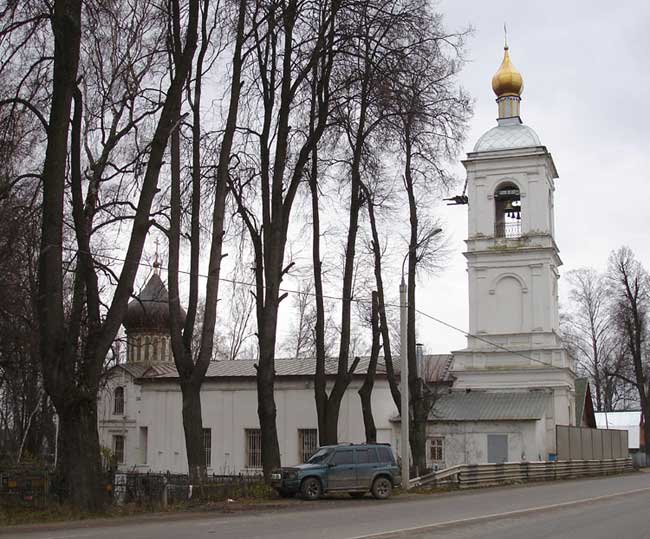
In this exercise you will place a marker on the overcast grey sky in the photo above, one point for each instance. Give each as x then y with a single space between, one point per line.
587 95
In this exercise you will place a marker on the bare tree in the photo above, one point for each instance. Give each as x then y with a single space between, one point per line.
290 38
384 326
301 337
432 116
365 391
630 289
192 364
589 331
76 327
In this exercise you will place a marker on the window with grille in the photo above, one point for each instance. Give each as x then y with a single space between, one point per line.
118 400
207 447
118 448
307 443
253 448
437 449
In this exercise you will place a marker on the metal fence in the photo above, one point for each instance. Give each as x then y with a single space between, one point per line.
24 486
36 487
474 475
165 489
579 443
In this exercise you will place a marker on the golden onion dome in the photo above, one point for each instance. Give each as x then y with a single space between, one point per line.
507 80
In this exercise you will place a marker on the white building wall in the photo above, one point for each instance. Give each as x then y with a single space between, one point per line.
228 408
465 442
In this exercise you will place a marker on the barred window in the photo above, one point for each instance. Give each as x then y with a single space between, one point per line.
307 443
253 448
207 447
118 448
437 449
118 400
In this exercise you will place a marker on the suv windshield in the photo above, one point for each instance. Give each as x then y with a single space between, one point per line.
320 456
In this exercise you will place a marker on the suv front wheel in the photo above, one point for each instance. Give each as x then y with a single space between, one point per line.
382 488
311 488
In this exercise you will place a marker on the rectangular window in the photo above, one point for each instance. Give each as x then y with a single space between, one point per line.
253 448
207 447
118 448
144 431
437 449
118 401
307 443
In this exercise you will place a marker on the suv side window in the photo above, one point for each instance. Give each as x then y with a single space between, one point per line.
386 455
366 455
344 456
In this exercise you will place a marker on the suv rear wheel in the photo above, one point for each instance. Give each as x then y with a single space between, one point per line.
382 488
311 488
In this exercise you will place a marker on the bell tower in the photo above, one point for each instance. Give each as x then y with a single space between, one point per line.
513 261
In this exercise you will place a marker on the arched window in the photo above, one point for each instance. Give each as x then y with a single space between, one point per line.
507 207
147 345
118 401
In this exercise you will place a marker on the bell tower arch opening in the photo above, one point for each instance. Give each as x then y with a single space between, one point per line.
507 211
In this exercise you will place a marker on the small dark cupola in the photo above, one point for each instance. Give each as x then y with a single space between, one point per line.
147 322
149 310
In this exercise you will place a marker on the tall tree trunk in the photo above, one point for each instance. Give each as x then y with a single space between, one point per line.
343 375
420 410
79 464
78 469
266 408
365 392
383 321
320 379
193 429
72 360
192 373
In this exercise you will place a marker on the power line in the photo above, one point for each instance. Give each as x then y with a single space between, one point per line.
355 300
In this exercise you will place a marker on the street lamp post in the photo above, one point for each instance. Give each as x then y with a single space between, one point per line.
404 373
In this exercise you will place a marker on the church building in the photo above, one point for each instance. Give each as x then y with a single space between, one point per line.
499 399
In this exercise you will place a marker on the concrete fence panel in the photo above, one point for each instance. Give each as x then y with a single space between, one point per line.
575 441
563 447
607 444
587 444
579 443
623 444
597 441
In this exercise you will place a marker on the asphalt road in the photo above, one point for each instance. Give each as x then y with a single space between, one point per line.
590 508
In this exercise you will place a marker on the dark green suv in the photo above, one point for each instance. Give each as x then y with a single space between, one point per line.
356 469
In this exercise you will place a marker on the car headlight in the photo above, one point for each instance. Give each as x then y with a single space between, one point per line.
276 476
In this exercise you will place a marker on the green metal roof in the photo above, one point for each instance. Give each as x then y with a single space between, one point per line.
493 406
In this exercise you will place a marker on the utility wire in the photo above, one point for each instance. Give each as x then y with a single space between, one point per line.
355 300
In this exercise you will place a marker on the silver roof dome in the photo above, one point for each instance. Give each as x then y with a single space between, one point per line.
507 137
